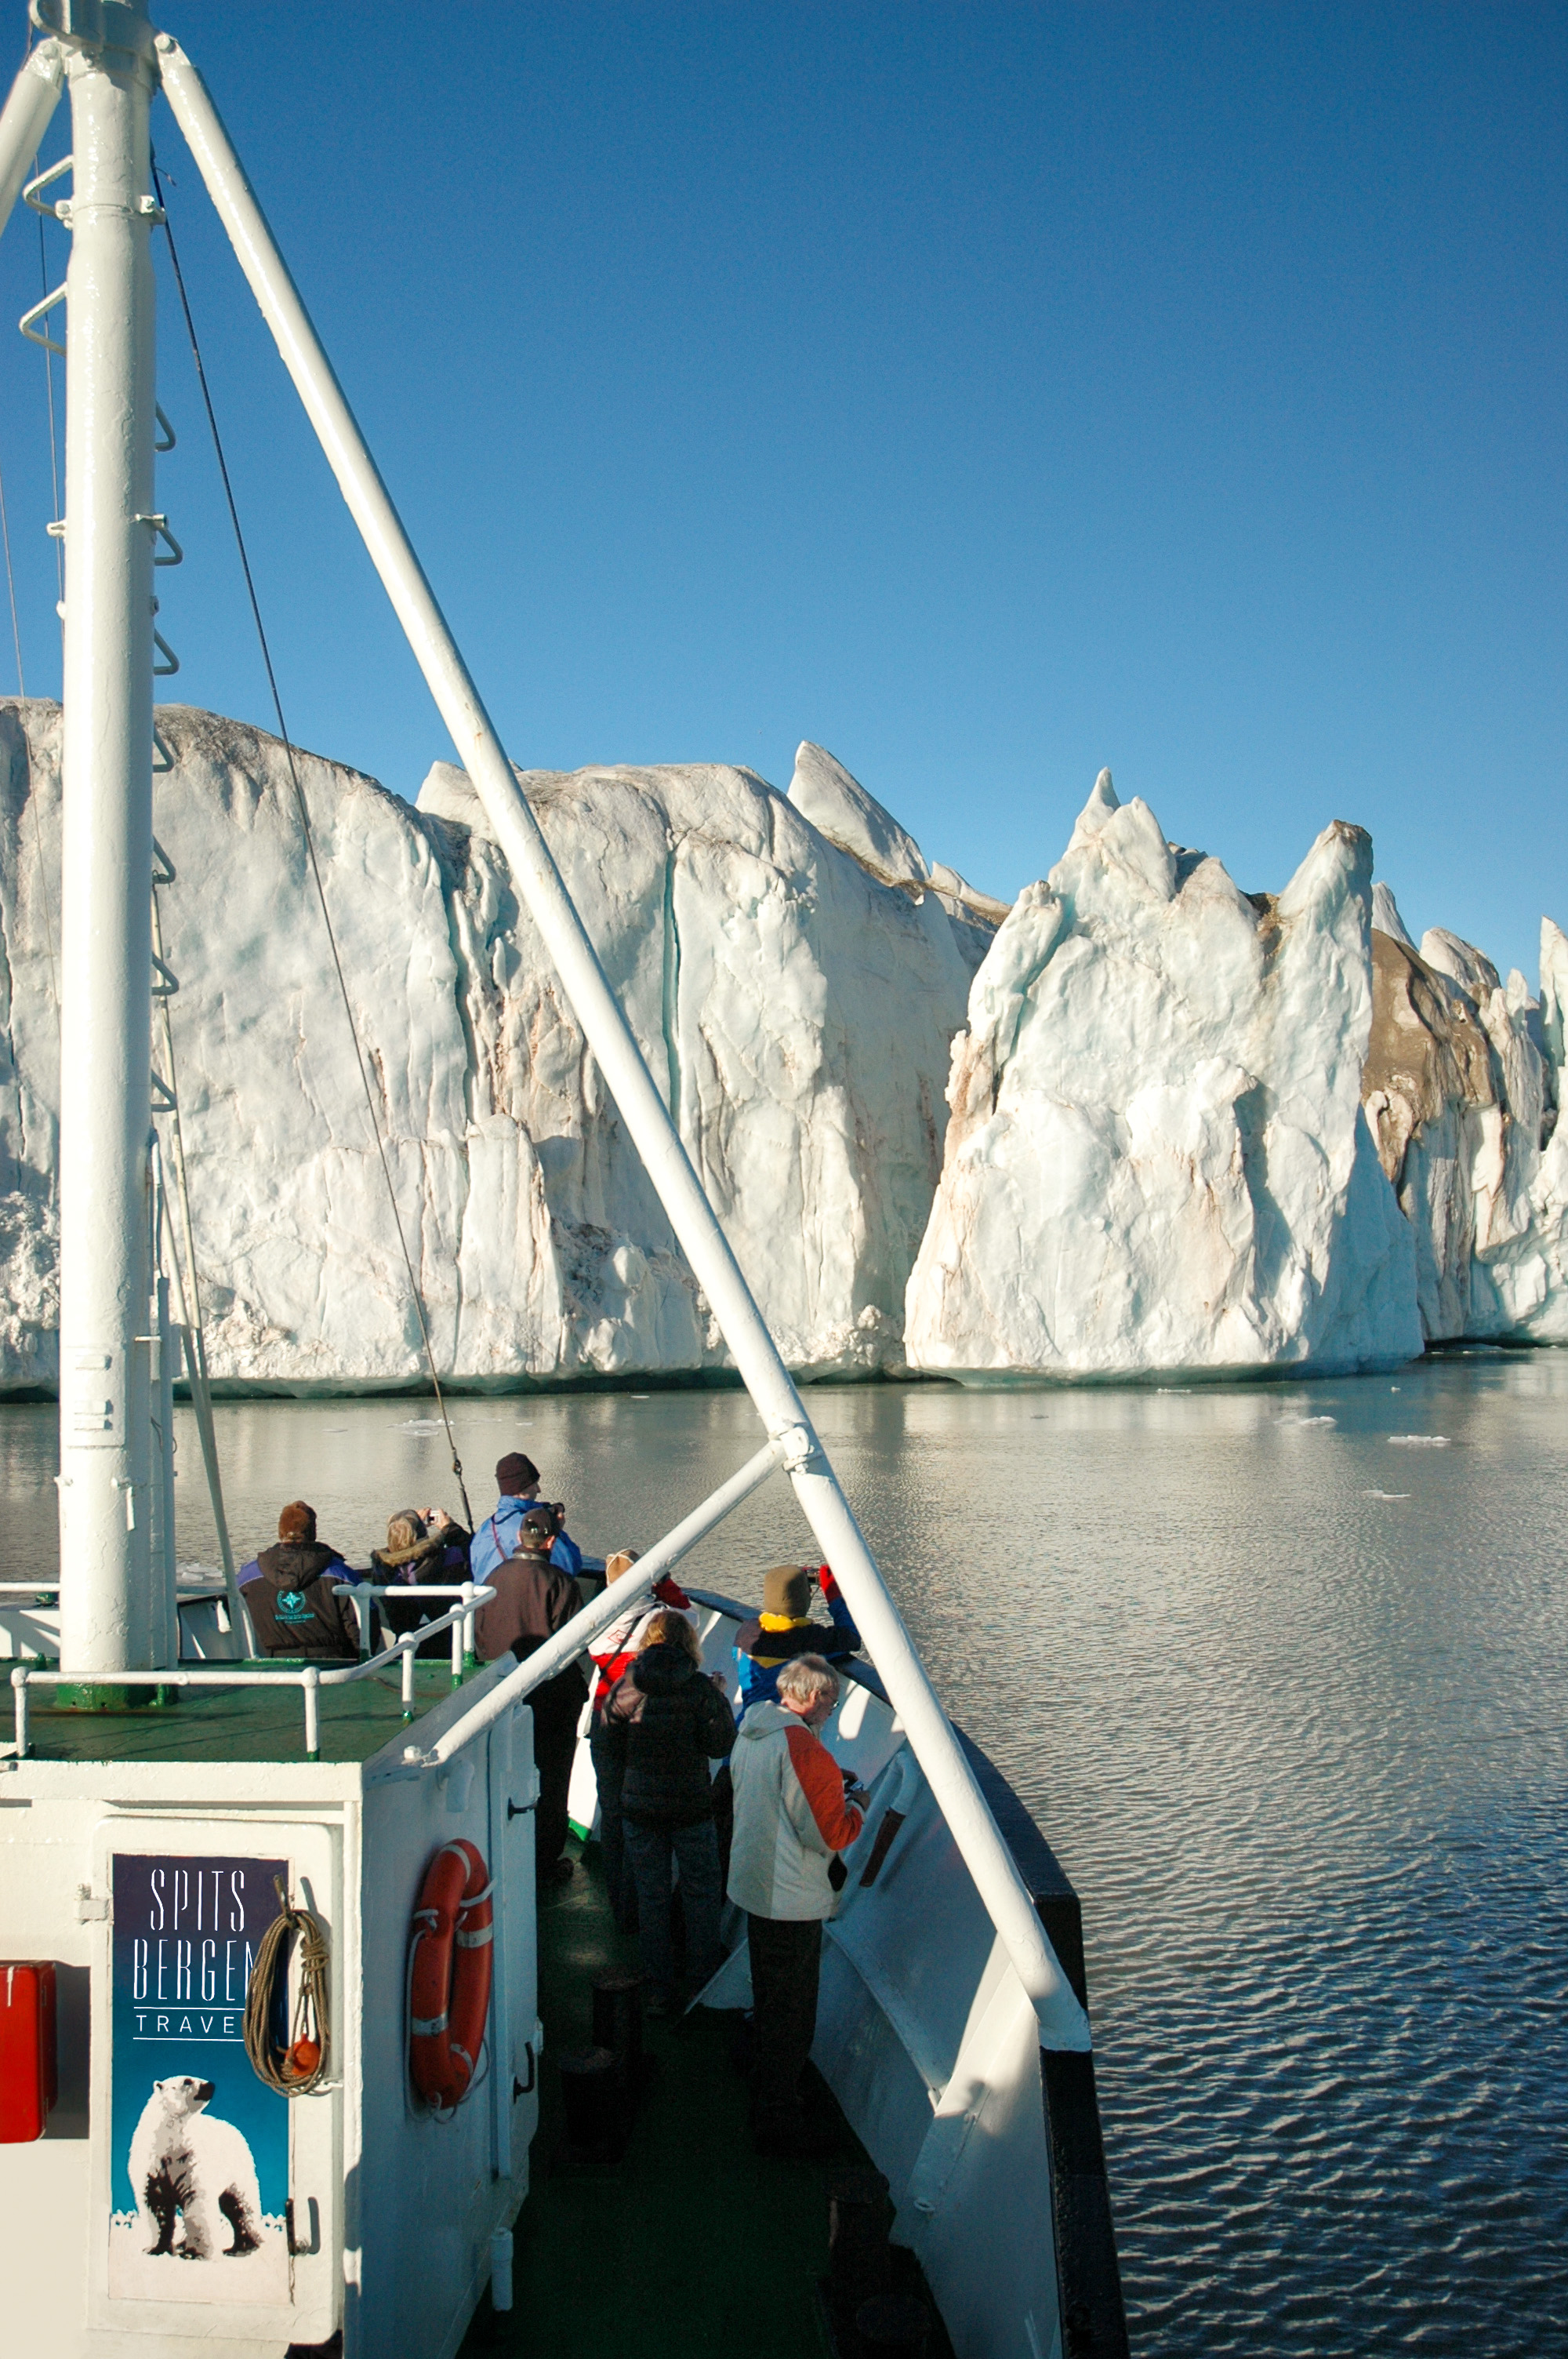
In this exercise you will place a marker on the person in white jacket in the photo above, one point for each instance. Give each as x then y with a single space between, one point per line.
794 1810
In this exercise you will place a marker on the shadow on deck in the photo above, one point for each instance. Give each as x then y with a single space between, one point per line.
694 2244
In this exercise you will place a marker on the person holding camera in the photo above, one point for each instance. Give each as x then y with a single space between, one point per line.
424 1547
517 1480
534 1599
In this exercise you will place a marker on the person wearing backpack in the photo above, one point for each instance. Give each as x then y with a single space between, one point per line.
664 1722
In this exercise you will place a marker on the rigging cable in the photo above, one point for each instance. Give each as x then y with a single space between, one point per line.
304 810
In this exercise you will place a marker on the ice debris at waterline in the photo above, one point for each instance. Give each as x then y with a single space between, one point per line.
1157 1158
1159 1155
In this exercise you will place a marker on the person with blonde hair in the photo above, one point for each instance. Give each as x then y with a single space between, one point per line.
794 1810
664 1724
424 1547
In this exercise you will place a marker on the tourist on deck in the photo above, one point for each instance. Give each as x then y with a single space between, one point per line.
794 1810
783 1630
611 1654
424 1547
289 1594
517 1480
534 1599
664 1722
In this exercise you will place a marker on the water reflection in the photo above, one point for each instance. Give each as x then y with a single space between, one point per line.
1286 1697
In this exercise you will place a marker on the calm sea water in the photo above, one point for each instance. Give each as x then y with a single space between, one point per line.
1287 1696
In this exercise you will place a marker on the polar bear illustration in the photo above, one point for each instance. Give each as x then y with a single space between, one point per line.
182 2161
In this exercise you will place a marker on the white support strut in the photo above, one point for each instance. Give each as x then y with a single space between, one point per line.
27 115
1062 2022
516 1685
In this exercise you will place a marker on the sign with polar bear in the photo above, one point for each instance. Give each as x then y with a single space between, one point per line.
201 2145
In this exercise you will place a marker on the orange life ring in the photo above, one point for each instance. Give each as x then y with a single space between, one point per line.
449 1973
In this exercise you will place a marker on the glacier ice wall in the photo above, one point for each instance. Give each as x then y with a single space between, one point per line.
1157 1155
796 1011
1463 1087
1190 1127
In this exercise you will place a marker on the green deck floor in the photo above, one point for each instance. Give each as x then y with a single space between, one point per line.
694 2245
255 1723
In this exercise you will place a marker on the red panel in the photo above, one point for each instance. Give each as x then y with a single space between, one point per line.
28 2071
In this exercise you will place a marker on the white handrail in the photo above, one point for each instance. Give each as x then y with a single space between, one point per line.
570 1641
462 1628
310 1677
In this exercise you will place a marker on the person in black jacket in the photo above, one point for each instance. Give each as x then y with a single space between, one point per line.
534 1599
288 1592
662 1726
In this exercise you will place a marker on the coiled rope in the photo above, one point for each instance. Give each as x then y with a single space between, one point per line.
309 834
294 2070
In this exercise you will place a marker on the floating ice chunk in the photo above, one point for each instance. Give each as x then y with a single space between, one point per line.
1419 1440
1385 1494
1309 1420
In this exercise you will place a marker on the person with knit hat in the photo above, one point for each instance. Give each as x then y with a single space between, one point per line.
289 1594
534 1599
517 1481
783 1630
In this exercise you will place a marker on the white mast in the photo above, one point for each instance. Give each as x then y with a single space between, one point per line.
110 1619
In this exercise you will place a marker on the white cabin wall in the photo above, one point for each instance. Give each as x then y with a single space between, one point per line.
425 2195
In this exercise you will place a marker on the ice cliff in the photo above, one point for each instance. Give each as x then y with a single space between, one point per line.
1157 1156
1463 1085
1189 1127
795 1010
1194 1128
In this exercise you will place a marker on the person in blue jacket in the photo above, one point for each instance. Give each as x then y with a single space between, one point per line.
784 1629
517 1480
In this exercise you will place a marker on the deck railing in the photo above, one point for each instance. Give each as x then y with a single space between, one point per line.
310 1678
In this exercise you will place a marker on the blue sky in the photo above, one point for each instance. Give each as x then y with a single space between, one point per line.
988 393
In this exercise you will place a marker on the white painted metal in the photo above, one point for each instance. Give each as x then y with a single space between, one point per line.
515 1686
113 1617
312 1677
162 1345
193 1335
1061 2020
27 115
162 1335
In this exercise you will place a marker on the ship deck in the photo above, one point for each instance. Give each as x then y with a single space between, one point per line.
693 2245
261 1723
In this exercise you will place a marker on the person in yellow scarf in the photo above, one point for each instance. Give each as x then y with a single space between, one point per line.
784 1630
